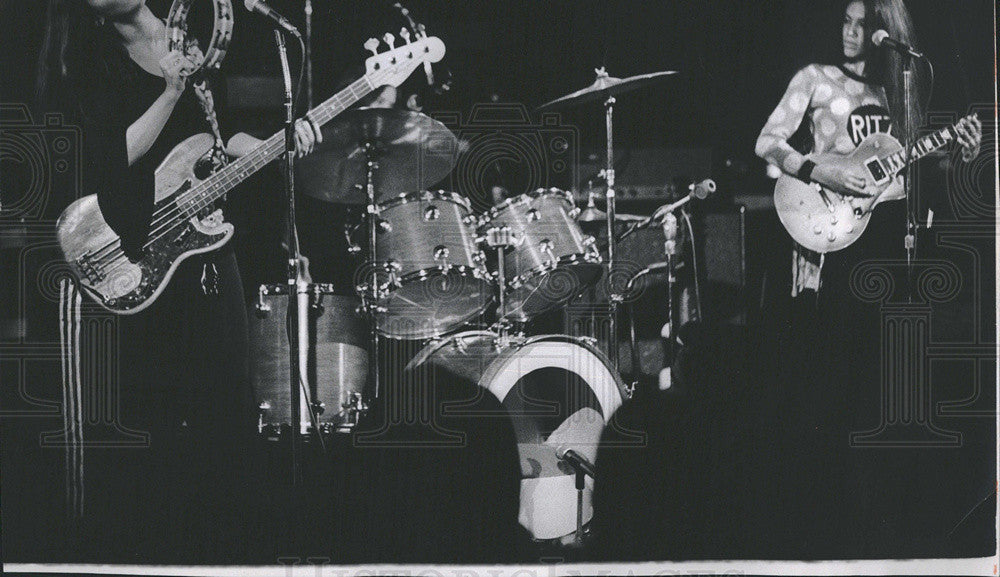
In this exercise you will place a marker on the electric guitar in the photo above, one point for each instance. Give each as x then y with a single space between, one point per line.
185 220
824 220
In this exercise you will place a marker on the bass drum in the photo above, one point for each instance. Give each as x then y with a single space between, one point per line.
559 391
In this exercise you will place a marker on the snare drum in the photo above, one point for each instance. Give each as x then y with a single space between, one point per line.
431 276
552 261
559 391
333 359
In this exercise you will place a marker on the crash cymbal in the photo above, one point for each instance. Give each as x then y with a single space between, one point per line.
412 151
606 86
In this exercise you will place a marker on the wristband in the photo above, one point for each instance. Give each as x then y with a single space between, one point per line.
805 171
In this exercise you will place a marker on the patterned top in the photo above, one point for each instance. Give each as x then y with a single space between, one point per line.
843 109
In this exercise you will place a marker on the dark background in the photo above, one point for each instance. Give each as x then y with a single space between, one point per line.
735 58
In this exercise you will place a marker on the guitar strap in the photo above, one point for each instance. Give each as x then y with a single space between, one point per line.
203 90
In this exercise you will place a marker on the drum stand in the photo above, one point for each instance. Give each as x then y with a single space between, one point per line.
501 238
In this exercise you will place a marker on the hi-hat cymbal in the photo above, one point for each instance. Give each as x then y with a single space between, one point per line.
412 152
606 86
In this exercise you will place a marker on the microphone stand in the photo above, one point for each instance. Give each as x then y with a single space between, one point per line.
910 240
297 286
308 56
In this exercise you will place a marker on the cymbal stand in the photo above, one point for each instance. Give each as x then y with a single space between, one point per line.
609 175
373 223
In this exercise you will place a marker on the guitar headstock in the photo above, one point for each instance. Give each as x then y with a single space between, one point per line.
396 64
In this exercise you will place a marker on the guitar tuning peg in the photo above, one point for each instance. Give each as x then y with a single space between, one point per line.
390 40
404 34
372 44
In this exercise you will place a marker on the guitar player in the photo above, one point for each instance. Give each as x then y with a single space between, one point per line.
183 361
826 353
844 104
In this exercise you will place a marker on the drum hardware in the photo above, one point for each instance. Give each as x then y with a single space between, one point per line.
605 87
552 261
333 360
374 223
437 276
501 238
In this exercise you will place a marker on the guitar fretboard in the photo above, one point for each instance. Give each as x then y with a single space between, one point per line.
921 148
218 184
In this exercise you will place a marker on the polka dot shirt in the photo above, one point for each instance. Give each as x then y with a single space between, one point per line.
842 110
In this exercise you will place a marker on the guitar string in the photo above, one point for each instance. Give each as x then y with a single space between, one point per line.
321 115
166 216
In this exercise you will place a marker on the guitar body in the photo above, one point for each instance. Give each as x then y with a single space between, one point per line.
92 249
823 220
185 180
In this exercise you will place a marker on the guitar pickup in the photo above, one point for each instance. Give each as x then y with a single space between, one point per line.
875 168
88 269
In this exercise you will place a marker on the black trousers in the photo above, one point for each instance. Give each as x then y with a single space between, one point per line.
180 493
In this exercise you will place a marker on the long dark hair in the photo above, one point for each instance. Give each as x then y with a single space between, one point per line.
73 47
886 66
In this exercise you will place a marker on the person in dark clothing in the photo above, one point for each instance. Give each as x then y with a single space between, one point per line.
826 355
184 384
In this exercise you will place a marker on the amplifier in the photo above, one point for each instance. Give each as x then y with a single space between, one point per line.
649 173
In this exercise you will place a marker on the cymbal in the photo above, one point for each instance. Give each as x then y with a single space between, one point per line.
412 151
593 214
606 86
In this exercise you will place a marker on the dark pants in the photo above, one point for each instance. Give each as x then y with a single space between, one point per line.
184 385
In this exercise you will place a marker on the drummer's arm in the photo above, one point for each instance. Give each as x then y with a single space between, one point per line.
307 135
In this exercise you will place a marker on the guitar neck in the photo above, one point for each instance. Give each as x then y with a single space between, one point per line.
921 148
218 184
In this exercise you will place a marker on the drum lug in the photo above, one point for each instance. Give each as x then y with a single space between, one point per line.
353 407
575 212
262 410
262 307
441 254
545 245
589 340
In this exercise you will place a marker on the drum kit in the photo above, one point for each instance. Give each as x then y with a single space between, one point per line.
434 268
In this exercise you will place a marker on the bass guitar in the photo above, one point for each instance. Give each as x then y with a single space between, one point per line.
185 220
825 220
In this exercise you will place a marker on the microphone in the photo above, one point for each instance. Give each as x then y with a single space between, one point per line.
577 461
701 190
881 38
263 9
